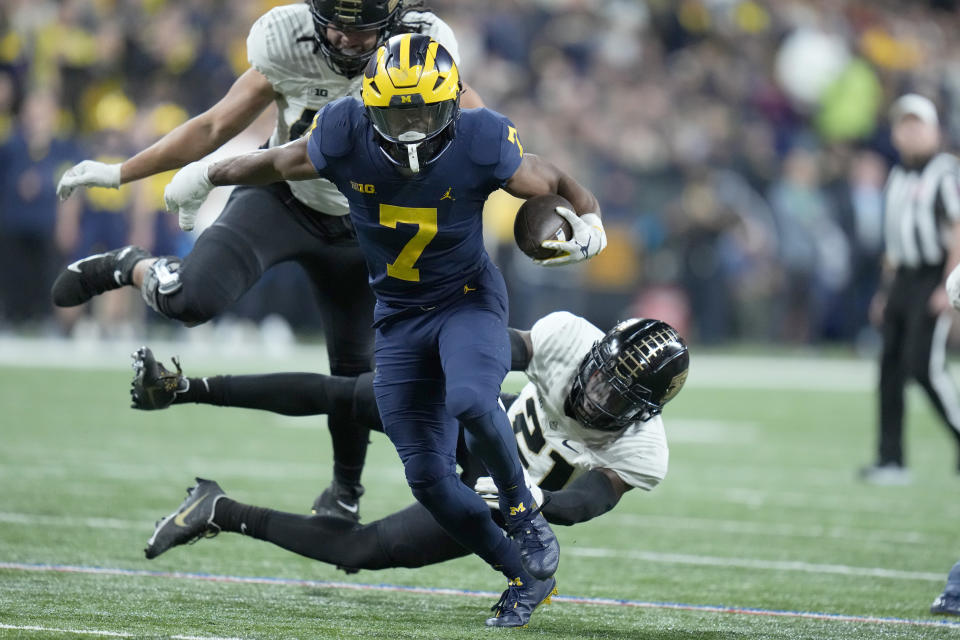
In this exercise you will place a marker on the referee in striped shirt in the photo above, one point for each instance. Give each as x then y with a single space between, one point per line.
921 211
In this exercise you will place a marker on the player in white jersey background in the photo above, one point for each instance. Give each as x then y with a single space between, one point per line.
588 428
301 56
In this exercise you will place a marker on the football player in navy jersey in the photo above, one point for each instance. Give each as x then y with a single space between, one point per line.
416 171
302 56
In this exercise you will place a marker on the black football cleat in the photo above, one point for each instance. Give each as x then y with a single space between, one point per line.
517 603
539 549
339 501
153 386
190 522
95 274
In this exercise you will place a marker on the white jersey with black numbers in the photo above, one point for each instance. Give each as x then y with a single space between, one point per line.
555 448
304 82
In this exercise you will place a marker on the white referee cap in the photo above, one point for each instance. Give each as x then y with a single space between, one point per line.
914 104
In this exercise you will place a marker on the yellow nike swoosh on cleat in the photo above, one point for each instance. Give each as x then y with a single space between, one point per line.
179 520
550 595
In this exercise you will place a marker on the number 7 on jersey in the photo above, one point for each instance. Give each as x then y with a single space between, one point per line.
426 219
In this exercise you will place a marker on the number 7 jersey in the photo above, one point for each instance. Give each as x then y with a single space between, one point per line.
555 448
422 236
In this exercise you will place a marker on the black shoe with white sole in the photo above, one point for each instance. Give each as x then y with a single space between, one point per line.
95 274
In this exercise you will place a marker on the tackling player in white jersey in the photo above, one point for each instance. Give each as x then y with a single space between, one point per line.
588 429
302 56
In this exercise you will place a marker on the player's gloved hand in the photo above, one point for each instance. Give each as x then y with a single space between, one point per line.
187 191
588 240
88 173
487 490
953 288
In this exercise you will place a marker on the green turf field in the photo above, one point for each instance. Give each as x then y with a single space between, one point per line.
760 510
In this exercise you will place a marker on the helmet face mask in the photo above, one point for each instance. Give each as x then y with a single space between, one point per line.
411 91
628 376
380 16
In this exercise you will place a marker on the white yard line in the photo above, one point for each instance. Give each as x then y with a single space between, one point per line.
353 586
32 519
101 632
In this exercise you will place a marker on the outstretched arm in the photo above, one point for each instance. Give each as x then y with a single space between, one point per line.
592 494
287 162
195 138
191 185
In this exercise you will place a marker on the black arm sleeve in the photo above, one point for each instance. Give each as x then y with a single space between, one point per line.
586 497
519 356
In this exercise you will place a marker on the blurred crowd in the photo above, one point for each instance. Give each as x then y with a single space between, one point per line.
738 147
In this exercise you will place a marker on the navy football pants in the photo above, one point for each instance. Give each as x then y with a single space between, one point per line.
433 368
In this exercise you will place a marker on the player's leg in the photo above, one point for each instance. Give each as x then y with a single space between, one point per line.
409 391
891 392
408 538
475 352
339 273
255 231
291 394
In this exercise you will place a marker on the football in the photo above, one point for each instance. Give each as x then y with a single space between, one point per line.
537 221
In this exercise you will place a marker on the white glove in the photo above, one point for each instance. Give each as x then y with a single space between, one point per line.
491 495
953 288
88 173
187 191
588 240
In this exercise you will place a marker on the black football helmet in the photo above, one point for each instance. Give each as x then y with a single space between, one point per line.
628 375
353 15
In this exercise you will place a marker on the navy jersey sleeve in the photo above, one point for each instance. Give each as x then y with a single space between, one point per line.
313 143
330 135
496 143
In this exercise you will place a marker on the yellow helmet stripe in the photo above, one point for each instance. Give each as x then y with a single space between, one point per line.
405 52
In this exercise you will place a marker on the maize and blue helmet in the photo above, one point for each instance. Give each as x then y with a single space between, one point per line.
411 91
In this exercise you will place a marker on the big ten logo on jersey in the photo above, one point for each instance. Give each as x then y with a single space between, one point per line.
319 93
363 187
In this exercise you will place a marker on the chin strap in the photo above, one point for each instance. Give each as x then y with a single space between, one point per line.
412 158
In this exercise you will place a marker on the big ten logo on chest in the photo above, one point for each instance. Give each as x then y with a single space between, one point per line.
363 187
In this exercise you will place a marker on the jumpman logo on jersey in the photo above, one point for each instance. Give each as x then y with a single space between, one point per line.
447 195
